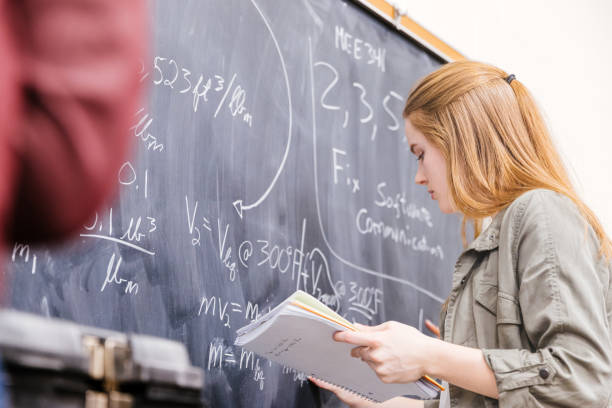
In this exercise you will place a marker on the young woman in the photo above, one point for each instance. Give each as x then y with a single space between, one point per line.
528 322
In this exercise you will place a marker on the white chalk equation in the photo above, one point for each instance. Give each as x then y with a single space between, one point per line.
200 87
133 235
308 268
223 309
226 357
222 356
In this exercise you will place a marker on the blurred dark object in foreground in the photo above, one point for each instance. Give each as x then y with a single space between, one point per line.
70 87
54 363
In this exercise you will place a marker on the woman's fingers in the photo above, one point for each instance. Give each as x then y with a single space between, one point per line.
373 366
357 338
367 354
327 386
352 400
361 352
364 328
323 384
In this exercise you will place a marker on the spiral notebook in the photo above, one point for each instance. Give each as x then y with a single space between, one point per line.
298 334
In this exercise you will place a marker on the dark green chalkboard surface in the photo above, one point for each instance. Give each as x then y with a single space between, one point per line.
269 157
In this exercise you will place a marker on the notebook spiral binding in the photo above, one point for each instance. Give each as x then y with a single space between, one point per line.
346 389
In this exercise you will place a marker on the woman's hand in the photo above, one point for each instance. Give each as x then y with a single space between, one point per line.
398 353
350 399
354 401
401 354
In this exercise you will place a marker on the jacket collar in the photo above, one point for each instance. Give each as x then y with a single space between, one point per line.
489 238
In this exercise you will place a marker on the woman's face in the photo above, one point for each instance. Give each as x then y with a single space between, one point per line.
431 171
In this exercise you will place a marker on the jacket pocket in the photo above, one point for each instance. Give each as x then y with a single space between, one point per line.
486 296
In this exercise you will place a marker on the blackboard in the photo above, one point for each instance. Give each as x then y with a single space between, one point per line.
269 157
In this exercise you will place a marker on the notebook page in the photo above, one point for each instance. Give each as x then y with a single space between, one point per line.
306 345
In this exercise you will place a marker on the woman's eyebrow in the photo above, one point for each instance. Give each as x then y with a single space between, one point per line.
412 146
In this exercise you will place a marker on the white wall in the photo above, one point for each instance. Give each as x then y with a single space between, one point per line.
561 50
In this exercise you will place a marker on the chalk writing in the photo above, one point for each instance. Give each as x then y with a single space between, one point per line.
168 73
101 229
22 251
400 205
214 305
221 356
367 225
298 376
360 49
225 252
141 131
365 300
194 230
127 176
112 277
366 114
339 165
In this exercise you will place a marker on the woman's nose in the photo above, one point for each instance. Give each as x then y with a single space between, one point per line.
420 178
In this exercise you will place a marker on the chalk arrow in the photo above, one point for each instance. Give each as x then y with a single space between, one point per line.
238 207
238 203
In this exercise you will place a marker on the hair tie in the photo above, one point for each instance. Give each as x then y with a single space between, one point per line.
510 78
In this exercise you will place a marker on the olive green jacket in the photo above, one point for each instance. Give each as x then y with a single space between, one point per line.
533 293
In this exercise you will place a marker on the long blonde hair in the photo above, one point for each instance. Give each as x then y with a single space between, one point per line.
494 140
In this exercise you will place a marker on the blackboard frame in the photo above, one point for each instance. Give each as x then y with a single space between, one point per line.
413 30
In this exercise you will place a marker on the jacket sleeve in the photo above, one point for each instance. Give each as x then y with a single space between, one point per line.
79 79
562 299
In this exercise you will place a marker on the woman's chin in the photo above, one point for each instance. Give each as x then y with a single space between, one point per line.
445 208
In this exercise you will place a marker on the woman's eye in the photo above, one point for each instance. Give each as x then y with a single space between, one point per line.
420 156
